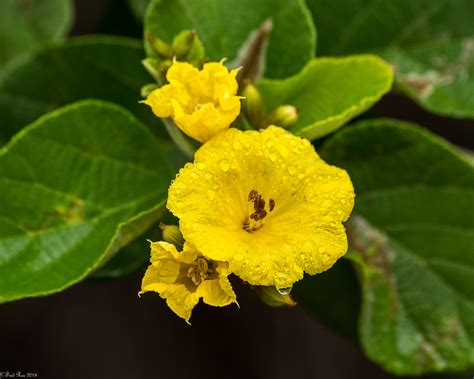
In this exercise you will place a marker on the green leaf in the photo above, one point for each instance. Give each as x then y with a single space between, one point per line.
27 24
437 75
106 68
329 92
129 259
225 25
333 297
351 26
430 43
413 230
138 8
77 185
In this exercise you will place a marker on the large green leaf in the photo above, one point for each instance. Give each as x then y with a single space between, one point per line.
438 75
138 7
225 25
106 68
430 43
351 26
330 91
413 230
26 24
76 186
333 297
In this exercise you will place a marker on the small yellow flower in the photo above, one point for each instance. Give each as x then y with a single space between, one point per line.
266 203
201 103
182 278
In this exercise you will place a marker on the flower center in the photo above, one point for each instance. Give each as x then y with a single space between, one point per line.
255 220
200 270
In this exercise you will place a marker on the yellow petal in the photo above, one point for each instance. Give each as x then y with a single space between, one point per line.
304 231
218 292
168 276
180 300
160 101
201 103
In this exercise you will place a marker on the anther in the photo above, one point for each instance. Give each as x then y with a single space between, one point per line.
271 204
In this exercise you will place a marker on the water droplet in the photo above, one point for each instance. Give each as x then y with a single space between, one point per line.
237 145
211 195
224 165
283 151
284 291
179 185
292 170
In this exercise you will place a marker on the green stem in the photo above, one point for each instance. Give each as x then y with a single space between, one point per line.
179 139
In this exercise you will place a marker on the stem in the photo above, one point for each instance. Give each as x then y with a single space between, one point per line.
179 139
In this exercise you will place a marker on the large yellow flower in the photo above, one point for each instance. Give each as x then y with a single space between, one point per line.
201 103
182 278
266 203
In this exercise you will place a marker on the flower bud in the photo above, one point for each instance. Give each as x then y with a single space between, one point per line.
161 48
147 89
283 116
183 43
153 67
274 298
252 104
172 234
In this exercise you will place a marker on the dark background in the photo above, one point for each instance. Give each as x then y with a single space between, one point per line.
102 329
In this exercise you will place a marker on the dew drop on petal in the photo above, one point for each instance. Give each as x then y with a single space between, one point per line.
284 291
224 165
211 195
237 145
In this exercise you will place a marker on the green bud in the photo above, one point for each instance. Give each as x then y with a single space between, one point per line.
284 116
165 65
183 43
274 298
172 234
161 48
147 89
196 55
252 104
153 67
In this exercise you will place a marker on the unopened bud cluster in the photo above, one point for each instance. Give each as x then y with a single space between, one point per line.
172 234
185 47
254 110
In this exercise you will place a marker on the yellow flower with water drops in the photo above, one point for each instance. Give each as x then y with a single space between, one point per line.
182 278
266 203
201 102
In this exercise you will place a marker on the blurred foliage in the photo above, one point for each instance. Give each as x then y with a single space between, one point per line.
82 182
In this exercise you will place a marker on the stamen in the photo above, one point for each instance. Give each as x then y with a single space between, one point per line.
252 195
272 204
260 212
200 270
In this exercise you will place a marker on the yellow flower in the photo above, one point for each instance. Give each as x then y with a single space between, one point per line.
182 278
266 203
201 103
